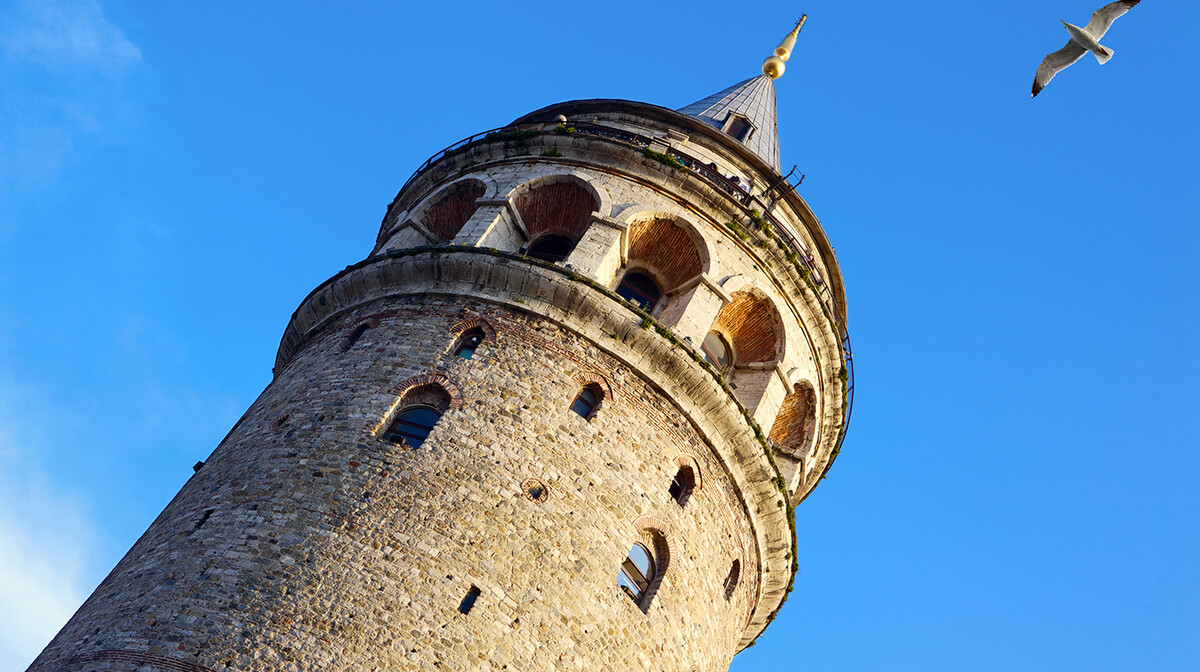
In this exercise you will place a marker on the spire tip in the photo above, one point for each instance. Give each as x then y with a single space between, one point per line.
774 65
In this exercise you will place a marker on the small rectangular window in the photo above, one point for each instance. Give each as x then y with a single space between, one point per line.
738 127
469 601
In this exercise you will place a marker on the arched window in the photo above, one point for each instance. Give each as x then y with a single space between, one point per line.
454 206
555 212
716 350
731 581
550 248
468 342
412 425
682 486
637 572
663 254
644 567
641 289
587 401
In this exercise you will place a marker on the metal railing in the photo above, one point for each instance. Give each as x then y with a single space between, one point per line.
452 149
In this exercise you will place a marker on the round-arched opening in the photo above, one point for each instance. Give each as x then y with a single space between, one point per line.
682 485
641 289
412 426
587 401
550 248
557 204
468 343
637 571
716 350
446 217
675 252
752 326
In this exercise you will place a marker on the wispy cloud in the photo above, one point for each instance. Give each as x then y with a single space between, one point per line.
64 35
63 66
44 540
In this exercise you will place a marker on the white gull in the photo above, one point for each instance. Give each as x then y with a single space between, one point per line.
1082 41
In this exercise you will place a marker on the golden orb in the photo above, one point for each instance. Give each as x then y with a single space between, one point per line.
773 67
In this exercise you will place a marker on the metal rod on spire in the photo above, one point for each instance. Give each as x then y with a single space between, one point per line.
774 65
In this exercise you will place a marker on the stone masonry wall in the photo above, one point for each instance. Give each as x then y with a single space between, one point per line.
306 543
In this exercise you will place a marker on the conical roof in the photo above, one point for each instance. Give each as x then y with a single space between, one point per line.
753 100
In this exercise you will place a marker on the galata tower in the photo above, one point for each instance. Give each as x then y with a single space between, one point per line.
557 419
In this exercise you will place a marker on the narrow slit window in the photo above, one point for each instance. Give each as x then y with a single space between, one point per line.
731 581
353 336
203 519
468 602
682 485
412 426
468 343
586 401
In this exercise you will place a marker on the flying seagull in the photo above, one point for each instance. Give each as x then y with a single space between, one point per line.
1082 41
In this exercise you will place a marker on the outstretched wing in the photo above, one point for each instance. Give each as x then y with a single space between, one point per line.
1103 18
1059 60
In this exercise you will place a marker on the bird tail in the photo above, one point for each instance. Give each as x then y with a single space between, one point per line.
1103 55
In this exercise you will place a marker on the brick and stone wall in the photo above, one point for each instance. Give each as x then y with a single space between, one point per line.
312 544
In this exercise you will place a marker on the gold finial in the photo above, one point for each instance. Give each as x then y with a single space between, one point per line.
773 66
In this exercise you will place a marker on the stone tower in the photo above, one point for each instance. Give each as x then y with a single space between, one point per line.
558 419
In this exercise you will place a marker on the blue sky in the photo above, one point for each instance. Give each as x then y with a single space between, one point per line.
1017 490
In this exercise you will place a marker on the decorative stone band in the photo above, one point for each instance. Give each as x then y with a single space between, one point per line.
119 660
614 328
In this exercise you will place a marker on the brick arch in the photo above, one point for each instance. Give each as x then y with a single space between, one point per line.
451 208
557 204
474 323
668 246
795 425
430 379
431 389
752 326
585 378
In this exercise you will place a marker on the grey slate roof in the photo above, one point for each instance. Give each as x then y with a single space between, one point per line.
754 99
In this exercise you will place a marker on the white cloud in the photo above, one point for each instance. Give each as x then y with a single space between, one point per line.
45 541
63 68
69 34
